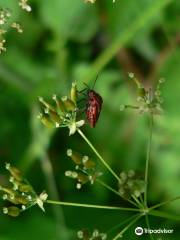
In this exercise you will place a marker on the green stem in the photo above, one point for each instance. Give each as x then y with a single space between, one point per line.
148 158
141 200
90 206
119 235
114 191
164 215
165 202
130 106
148 226
138 202
122 223
97 154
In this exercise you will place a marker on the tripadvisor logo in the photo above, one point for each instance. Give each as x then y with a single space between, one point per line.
139 231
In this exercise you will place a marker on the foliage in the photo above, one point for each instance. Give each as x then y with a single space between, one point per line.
64 41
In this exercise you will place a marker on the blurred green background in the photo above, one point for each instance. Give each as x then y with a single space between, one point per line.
67 40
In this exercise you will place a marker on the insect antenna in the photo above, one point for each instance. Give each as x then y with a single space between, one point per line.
87 87
95 81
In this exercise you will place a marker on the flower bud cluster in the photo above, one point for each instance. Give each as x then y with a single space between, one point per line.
19 194
85 169
6 24
131 184
148 100
24 5
95 235
63 113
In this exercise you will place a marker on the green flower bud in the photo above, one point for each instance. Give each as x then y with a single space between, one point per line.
141 92
47 105
68 103
46 120
131 173
121 191
11 211
25 188
54 117
71 174
88 163
59 104
15 173
8 190
76 157
78 185
74 93
80 234
10 198
123 176
82 178
21 199
136 193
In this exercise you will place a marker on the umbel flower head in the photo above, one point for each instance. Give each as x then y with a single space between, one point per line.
131 184
148 100
63 113
19 195
85 169
6 23
95 235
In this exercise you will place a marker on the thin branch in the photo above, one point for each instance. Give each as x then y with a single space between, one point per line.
97 154
148 158
148 226
114 191
119 235
71 204
165 202
164 215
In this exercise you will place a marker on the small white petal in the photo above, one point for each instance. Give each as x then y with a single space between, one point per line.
41 199
80 123
72 128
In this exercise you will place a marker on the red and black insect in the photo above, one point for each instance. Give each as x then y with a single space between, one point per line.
93 107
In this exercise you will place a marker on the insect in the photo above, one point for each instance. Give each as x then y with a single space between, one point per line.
93 106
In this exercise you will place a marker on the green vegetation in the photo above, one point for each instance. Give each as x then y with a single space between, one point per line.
72 41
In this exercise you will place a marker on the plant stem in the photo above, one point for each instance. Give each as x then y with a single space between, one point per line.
122 223
119 235
148 226
114 191
97 154
140 205
148 157
165 202
163 215
141 200
90 206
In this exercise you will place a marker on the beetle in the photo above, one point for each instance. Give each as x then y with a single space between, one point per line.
93 105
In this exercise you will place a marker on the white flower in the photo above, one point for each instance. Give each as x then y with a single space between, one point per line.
24 5
74 125
91 1
41 199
